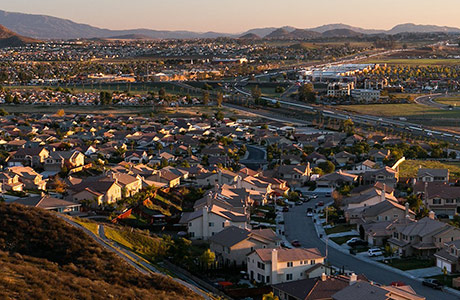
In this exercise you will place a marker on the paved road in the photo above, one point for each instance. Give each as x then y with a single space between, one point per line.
124 254
430 100
300 227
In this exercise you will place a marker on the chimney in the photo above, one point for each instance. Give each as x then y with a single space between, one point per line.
219 177
323 277
209 198
353 278
274 275
238 182
205 224
382 196
407 210
431 215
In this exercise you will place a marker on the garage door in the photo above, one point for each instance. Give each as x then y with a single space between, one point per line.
441 264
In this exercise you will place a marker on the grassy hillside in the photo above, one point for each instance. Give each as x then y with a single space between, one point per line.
42 257
409 168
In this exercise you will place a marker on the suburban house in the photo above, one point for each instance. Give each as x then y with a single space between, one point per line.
336 179
386 175
366 165
130 184
343 158
449 257
369 198
279 265
220 177
294 174
99 192
440 197
10 182
232 244
382 211
208 221
422 238
165 176
228 197
31 179
33 157
50 203
60 159
377 233
433 175
369 290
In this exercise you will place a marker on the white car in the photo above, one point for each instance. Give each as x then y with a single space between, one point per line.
375 252
309 214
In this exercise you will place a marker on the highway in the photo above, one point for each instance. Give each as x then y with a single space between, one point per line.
299 227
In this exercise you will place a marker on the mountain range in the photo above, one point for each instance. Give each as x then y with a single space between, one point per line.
9 38
47 27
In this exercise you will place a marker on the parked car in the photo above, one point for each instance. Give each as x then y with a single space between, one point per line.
285 209
295 243
356 243
433 283
314 196
299 203
309 214
353 240
320 203
375 252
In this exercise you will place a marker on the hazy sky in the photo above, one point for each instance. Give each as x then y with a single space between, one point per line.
239 15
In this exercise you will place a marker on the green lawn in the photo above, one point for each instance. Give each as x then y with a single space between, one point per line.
416 62
446 279
409 168
410 263
91 226
454 100
342 239
340 228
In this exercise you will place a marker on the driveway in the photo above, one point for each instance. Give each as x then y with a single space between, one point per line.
298 226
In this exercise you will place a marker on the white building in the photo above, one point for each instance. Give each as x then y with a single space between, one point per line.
204 223
365 95
280 265
339 89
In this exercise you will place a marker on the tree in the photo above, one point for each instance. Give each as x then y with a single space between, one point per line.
205 98
327 167
219 99
256 93
207 258
60 113
270 296
162 93
307 93
219 115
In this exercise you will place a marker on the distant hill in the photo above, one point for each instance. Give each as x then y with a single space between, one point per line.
410 27
341 33
9 38
250 36
47 27
329 27
42 257
305 34
280 34
130 37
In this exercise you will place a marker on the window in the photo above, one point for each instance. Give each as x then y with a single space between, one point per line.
288 276
395 216
192 234
436 201
289 264
190 224
211 224
260 265
312 262
260 278
395 235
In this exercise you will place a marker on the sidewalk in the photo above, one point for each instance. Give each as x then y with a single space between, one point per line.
322 235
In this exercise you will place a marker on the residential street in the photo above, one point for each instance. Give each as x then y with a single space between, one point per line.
300 227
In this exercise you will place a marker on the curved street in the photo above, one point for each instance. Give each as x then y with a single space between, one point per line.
298 226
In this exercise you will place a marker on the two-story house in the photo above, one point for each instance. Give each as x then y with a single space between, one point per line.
232 244
272 266
449 257
433 175
31 179
210 220
422 238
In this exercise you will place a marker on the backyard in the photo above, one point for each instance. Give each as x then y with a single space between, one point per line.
409 168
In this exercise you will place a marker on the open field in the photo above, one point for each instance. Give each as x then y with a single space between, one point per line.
415 62
454 100
172 112
409 167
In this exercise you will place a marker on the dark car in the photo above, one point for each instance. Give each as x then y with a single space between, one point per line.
433 283
295 243
320 203
285 209
357 243
299 203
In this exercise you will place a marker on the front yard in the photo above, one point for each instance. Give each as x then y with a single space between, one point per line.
410 263
340 228
342 239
